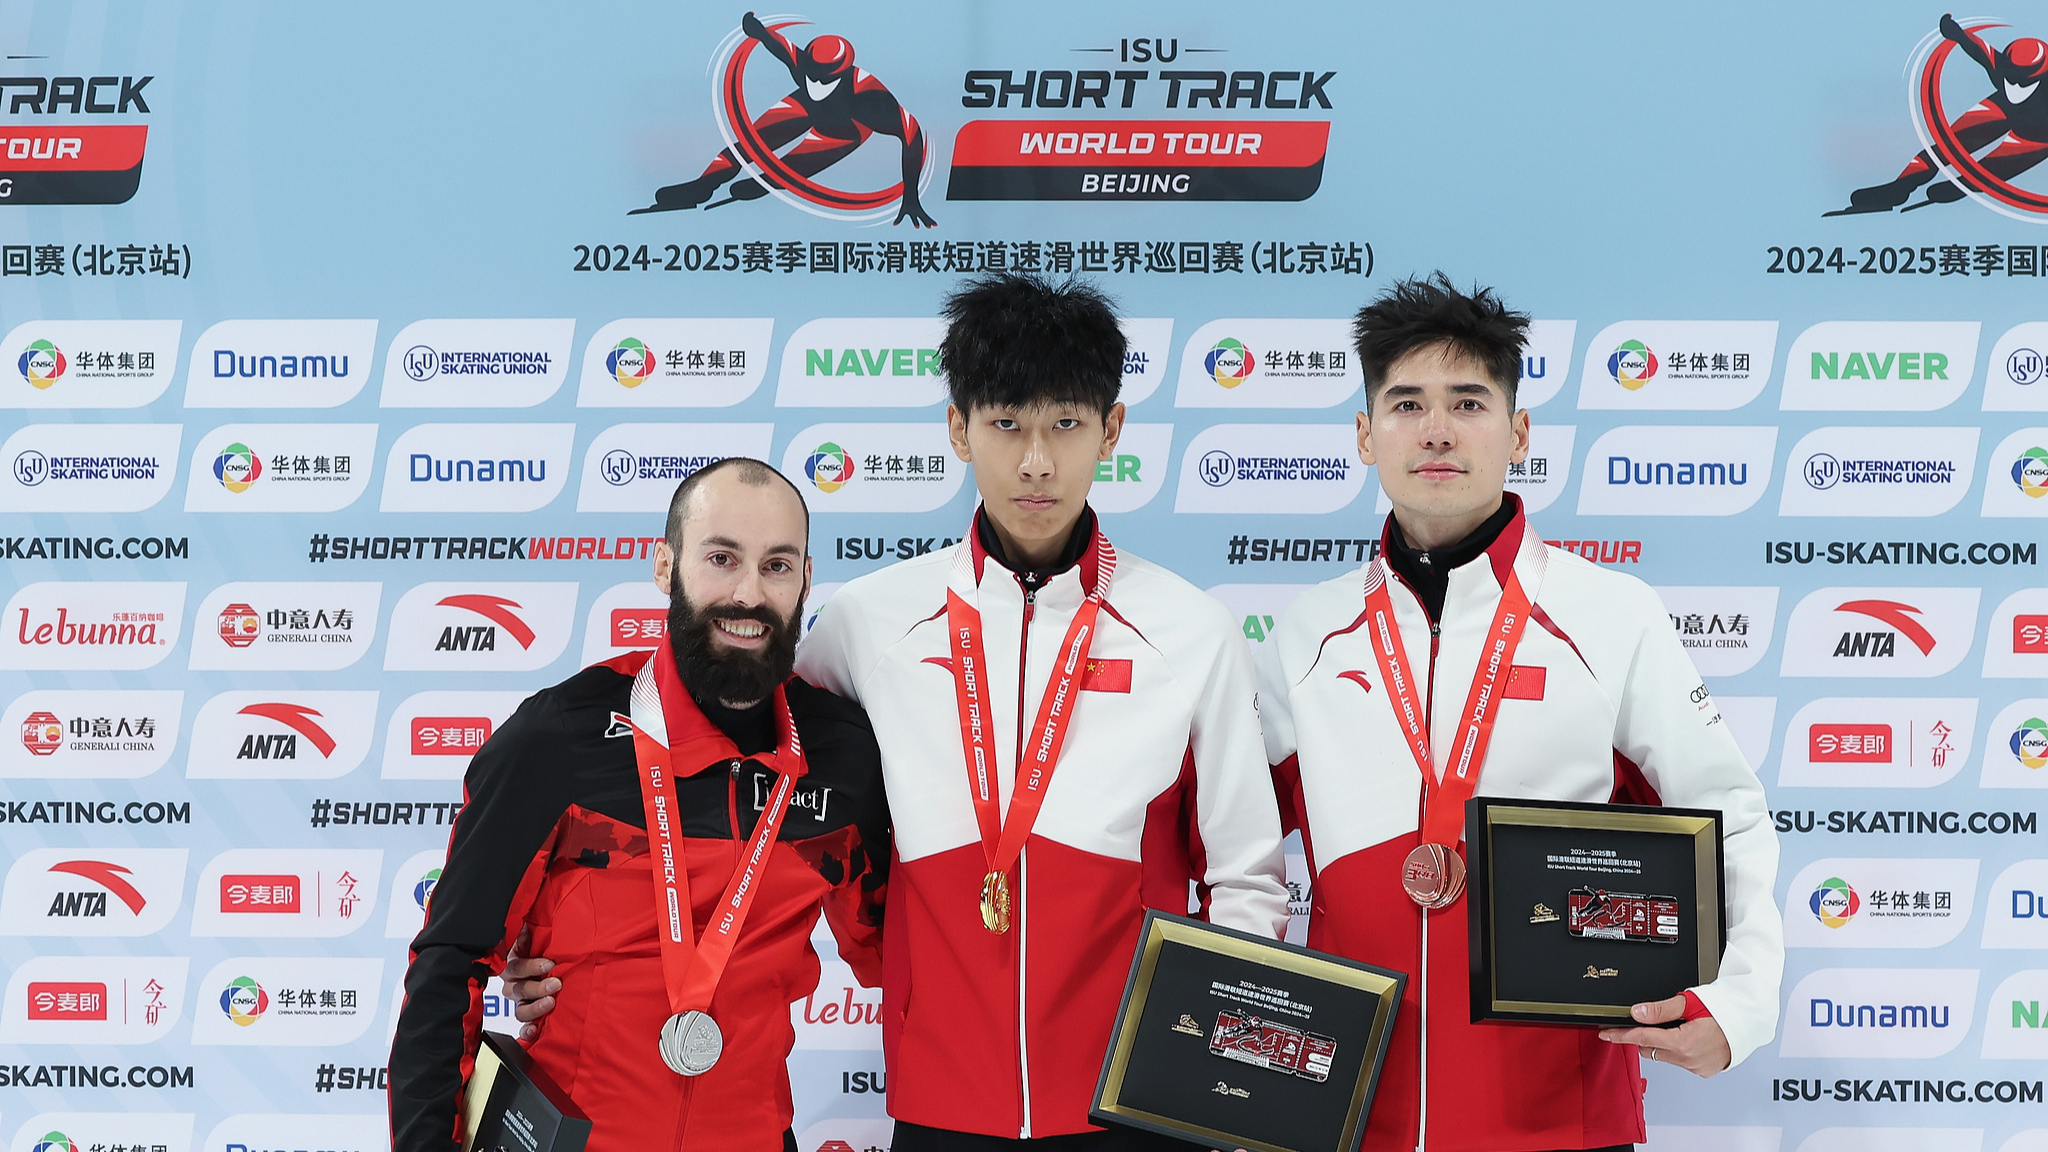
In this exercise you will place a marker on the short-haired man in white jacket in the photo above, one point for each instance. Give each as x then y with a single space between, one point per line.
1600 704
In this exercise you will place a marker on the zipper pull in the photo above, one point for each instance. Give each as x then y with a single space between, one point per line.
736 769
1435 629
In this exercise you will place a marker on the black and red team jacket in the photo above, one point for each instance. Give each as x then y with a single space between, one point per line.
552 835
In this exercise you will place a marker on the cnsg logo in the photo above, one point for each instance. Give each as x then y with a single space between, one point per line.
88 467
885 362
1879 903
287 892
476 363
89 363
1880 471
2015 1028
477 467
674 363
99 624
280 467
93 999
1871 742
636 467
1676 471
1879 1013
1270 468
306 625
2016 370
287 1001
280 363
2016 910
1269 364
432 735
873 467
1678 364
2016 751
451 626
1725 630
412 888
2018 642
83 734
1880 366
92 892
1880 632
281 735
2018 483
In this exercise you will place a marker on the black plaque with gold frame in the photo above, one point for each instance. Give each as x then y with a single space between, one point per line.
1236 1041
1579 911
510 1105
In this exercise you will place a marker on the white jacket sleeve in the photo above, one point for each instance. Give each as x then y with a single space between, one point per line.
1276 710
826 656
1669 726
1234 805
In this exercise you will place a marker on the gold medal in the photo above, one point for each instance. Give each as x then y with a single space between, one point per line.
1433 875
995 902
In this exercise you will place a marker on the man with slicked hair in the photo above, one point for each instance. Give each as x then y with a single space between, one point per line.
665 827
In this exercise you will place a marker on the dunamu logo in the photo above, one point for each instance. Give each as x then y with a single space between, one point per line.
424 469
1622 470
226 364
1822 1012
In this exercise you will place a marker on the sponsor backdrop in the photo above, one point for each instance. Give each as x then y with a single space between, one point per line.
339 402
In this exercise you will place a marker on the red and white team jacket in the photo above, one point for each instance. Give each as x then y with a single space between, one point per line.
1162 781
1604 706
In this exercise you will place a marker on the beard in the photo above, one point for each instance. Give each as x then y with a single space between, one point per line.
716 671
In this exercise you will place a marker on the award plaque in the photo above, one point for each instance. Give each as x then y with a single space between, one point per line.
511 1106
1580 911
1236 1041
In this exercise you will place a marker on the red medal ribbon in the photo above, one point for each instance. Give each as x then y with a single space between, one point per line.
1443 813
691 966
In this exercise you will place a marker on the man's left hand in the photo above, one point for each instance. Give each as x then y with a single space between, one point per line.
1698 1046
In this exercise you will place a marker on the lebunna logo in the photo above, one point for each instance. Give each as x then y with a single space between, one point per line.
830 111
237 467
1230 362
244 1001
42 363
55 1142
423 892
2030 472
1632 364
1834 902
1953 161
630 362
2030 742
829 467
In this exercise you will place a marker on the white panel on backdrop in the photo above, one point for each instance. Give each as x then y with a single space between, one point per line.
2016 379
1894 1140
2031 1140
86 734
281 734
2016 747
1879 1013
1703 365
862 362
1130 478
280 467
1676 470
1685 1138
2016 909
88 467
477 467
840 1014
124 625
88 363
84 1131
1879 903
412 885
2014 1026
873 467
624 618
1269 364
433 735
1877 742
671 363
280 363
1725 630
1148 343
1296 469
1880 365
93 999
1546 361
287 892
1539 480
301 625
1751 720
287 1000
2016 477
464 626
1880 631
2017 644
1260 606
476 363
1879 471
279 1132
636 467
92 891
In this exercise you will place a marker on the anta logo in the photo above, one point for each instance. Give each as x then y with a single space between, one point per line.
482 637
1901 617
284 745
109 877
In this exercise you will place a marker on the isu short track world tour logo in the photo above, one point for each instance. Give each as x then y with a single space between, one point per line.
831 109
1983 152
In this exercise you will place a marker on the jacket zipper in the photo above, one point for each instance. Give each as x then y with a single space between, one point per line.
1030 585
1428 720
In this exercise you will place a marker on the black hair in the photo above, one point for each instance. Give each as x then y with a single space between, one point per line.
1419 313
751 472
1018 340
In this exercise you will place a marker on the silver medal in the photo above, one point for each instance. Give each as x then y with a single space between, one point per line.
691 1043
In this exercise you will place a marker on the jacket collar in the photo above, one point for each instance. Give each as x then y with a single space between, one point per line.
663 708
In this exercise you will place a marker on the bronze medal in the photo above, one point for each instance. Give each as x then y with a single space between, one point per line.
1433 875
995 902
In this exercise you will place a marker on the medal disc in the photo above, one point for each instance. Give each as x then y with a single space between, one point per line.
1433 875
995 902
691 1043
